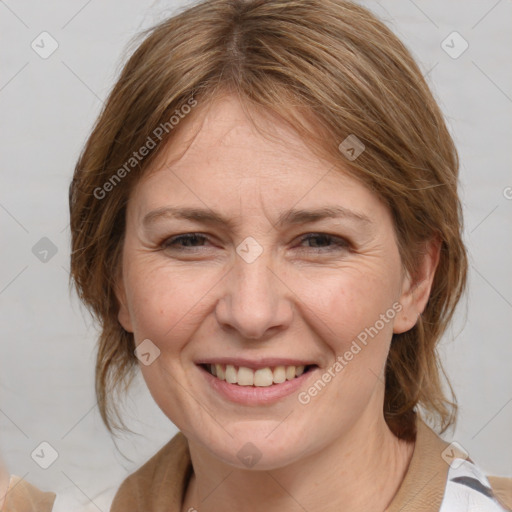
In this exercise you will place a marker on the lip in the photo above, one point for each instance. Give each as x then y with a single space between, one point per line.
256 364
254 395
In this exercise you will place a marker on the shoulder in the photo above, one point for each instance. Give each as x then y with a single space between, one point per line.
464 480
468 488
160 482
22 496
502 487
441 476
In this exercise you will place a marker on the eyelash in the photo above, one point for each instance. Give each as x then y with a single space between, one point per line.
338 243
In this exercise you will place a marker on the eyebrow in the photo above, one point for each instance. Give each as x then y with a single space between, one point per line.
290 217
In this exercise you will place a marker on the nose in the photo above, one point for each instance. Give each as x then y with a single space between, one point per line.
256 301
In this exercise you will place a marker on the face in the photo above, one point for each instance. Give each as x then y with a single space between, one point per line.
246 251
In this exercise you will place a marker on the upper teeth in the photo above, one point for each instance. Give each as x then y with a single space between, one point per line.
262 377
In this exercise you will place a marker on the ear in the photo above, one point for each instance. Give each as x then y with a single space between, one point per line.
416 289
123 314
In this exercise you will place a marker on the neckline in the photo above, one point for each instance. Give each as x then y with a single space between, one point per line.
160 484
422 488
424 483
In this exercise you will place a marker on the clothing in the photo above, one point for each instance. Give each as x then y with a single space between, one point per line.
22 496
468 488
150 489
431 484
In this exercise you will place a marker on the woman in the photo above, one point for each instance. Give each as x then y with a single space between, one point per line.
265 221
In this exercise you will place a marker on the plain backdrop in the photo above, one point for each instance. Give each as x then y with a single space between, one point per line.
48 106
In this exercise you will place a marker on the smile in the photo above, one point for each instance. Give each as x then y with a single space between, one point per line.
261 377
256 383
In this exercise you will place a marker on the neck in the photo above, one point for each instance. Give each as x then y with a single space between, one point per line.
360 471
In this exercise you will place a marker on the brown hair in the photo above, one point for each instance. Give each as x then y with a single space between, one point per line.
330 69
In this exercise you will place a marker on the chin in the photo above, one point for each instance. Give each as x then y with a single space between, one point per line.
254 446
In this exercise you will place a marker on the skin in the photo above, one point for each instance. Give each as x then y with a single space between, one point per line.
302 299
4 483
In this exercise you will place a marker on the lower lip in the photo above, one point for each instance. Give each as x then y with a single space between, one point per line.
255 395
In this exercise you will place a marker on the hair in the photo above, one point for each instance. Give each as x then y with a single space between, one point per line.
327 68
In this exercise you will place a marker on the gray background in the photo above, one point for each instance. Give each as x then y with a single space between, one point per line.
48 107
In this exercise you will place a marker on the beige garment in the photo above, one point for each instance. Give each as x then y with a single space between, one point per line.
24 497
160 484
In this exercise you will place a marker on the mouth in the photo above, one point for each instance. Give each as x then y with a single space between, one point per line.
264 377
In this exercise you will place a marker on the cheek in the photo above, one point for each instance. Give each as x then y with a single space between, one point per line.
345 311
352 312
165 302
346 314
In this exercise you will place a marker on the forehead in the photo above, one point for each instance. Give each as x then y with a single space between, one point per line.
220 157
220 130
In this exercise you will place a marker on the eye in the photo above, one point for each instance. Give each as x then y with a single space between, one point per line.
188 240
319 242
323 242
